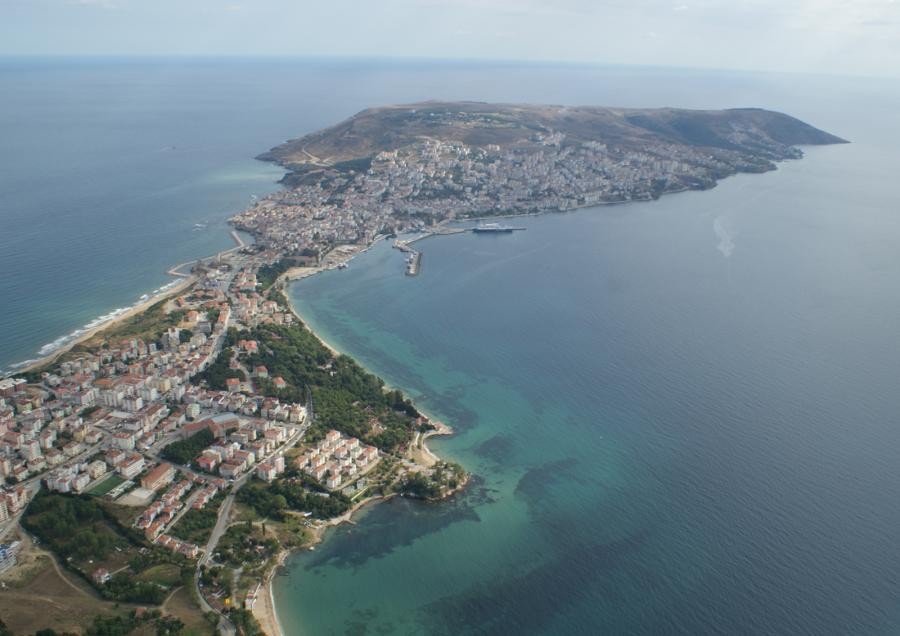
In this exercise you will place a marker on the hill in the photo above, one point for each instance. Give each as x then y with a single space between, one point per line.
481 125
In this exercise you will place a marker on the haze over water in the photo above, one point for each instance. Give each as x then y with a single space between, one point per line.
681 415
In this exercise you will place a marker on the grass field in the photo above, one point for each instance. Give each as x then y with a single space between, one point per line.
64 603
106 486
181 605
165 574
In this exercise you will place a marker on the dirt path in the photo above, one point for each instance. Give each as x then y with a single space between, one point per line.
66 580
164 607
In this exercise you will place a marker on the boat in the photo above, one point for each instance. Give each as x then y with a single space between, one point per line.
492 227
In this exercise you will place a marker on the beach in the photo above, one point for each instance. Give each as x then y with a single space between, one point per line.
180 286
264 609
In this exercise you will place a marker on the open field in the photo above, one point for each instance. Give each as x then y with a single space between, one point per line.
165 574
51 598
181 605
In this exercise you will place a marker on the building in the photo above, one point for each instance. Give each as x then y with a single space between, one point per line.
251 598
8 554
131 466
230 470
96 469
80 482
16 498
160 476
101 576
124 440
266 471
208 461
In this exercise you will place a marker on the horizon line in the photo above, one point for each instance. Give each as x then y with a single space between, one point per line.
403 59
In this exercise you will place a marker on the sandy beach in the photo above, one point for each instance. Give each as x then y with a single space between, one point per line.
90 333
264 610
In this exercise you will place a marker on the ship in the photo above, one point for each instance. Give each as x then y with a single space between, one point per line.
492 227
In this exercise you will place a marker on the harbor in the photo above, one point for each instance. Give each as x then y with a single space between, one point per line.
414 256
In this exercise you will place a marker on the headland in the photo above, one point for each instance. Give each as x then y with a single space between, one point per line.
268 434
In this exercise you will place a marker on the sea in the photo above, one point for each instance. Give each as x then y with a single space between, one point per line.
681 416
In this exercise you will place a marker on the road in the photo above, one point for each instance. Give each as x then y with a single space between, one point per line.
33 484
226 627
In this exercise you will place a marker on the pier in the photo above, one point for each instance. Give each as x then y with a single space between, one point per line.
237 239
413 262
414 256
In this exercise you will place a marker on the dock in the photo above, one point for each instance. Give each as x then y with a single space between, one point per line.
414 256
413 262
237 239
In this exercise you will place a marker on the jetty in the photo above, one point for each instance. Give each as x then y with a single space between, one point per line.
413 262
414 256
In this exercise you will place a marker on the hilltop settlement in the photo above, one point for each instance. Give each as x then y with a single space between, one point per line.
156 472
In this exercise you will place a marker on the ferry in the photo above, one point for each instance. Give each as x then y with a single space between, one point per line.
492 227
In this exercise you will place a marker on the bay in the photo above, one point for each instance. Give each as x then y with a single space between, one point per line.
681 415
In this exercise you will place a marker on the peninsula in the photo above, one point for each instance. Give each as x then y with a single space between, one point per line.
411 167
170 460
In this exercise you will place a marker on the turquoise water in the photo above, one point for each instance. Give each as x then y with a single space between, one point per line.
681 415
106 165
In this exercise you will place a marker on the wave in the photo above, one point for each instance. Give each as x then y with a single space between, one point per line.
99 321
62 341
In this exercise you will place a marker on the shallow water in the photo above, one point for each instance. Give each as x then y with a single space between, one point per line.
681 416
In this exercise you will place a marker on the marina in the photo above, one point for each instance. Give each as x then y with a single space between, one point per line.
414 256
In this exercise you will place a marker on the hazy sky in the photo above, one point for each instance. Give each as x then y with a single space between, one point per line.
846 36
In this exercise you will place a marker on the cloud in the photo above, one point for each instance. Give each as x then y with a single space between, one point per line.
880 22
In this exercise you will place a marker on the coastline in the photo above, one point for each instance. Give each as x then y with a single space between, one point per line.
181 282
30 365
265 610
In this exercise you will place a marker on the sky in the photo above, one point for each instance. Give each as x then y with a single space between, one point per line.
859 37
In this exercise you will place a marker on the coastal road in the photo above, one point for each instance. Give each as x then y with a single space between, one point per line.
225 625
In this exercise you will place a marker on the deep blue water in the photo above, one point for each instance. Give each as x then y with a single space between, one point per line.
681 415
107 165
